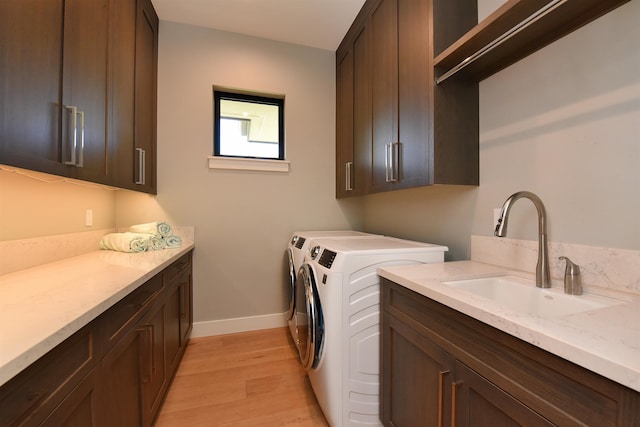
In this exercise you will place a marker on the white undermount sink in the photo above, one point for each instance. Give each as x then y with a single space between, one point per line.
522 295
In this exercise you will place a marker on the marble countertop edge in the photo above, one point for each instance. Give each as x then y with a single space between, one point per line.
91 283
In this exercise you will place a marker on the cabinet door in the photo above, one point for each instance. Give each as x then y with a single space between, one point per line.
31 64
344 124
78 408
415 97
361 113
122 63
84 89
133 63
401 94
179 319
53 91
146 65
479 403
416 378
186 312
173 335
383 30
353 108
152 362
120 385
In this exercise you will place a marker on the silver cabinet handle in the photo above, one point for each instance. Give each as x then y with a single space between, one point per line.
348 171
81 156
74 134
142 160
387 161
391 161
75 154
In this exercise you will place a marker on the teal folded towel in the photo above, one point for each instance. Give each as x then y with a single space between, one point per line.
156 242
125 242
161 229
173 241
164 229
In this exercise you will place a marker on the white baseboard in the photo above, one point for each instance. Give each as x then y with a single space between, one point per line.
240 324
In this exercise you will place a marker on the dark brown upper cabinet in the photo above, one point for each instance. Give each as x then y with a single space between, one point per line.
71 103
395 129
134 51
410 116
53 95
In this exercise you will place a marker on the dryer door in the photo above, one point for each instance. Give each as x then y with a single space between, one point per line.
291 284
310 321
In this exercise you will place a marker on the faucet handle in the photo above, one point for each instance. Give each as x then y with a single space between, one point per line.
572 278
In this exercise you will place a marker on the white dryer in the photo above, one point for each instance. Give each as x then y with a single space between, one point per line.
296 250
338 326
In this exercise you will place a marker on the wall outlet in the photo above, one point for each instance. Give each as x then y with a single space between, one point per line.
88 218
496 216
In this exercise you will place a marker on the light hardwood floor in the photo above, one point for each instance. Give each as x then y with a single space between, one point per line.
245 379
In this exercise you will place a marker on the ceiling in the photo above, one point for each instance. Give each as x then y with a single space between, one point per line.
315 23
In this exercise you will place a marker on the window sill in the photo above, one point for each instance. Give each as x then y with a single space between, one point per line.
248 164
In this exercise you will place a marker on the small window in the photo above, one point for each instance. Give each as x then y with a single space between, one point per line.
248 125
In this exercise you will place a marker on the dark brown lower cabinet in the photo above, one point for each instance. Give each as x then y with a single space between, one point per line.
443 368
116 370
78 408
120 384
154 363
179 313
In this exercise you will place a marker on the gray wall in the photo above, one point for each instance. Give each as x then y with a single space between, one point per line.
243 219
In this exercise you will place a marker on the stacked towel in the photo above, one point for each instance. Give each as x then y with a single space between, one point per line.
152 236
125 242
161 229
173 241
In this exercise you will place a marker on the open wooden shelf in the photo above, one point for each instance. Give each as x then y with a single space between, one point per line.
560 21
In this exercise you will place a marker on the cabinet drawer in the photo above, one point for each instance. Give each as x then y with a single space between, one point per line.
31 395
175 270
124 314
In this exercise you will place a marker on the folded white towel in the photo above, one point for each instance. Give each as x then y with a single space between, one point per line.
156 242
162 229
125 242
165 229
173 241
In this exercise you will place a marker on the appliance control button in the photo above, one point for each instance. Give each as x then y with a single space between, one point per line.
315 251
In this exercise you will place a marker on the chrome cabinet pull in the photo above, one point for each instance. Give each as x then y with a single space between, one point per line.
74 134
391 161
81 156
387 162
142 160
74 137
348 171
395 162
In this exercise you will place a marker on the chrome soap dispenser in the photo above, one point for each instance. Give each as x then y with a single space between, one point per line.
572 279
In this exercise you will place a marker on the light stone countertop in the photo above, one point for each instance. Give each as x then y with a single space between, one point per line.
42 306
606 340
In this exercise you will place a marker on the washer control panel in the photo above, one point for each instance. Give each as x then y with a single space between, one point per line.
327 258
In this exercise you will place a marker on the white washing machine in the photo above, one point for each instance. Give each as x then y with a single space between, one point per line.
339 328
296 250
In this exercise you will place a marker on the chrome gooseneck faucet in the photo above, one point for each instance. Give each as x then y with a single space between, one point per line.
543 274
